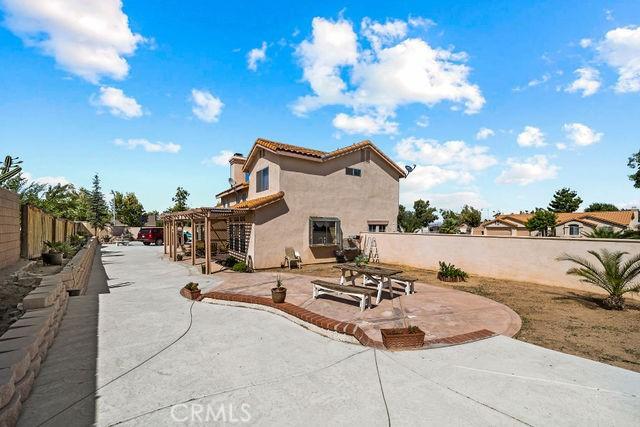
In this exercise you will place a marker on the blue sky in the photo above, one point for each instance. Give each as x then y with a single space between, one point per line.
156 98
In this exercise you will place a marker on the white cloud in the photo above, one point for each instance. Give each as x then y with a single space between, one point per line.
561 146
255 56
365 124
423 121
533 83
484 133
380 35
425 177
207 107
150 147
581 135
221 159
531 137
585 43
394 71
533 169
46 180
454 153
87 38
620 49
588 82
119 104
455 200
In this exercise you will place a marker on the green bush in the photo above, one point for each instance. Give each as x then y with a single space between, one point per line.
191 286
451 271
240 266
230 261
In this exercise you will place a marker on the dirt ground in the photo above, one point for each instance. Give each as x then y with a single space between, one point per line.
566 320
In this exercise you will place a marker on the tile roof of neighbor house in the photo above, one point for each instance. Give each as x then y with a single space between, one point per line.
622 218
236 187
280 147
259 202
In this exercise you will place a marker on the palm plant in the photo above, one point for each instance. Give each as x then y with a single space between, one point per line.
604 233
616 277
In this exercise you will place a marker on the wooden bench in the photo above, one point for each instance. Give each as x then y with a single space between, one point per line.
405 281
322 287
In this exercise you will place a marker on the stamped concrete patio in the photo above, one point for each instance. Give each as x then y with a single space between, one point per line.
440 312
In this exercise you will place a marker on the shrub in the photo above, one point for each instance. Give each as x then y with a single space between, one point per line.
230 261
361 259
616 276
191 286
240 266
450 271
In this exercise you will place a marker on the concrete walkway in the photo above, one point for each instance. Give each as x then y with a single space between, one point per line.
162 360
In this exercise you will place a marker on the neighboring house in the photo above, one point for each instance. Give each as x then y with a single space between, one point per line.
283 195
570 224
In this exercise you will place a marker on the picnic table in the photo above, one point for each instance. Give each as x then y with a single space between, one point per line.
379 275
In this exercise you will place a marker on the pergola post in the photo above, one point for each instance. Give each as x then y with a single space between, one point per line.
194 239
169 239
165 235
175 240
207 244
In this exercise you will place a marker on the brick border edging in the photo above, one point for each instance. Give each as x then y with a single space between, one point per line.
346 328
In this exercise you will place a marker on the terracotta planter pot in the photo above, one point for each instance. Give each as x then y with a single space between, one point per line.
278 294
399 338
450 279
194 295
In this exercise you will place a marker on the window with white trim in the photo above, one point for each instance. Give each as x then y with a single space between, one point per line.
353 171
377 228
324 231
262 180
574 230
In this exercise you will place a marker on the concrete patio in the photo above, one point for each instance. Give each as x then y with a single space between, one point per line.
440 312
160 359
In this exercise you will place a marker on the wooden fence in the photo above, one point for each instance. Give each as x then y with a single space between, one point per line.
9 228
39 227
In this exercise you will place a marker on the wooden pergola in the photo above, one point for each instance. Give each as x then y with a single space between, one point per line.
198 216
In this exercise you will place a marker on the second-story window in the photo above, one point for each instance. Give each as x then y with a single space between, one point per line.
353 172
262 180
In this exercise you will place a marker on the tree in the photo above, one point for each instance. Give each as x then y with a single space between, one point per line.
98 210
60 200
634 163
616 277
470 216
180 200
542 221
82 209
565 200
424 214
601 207
128 209
450 222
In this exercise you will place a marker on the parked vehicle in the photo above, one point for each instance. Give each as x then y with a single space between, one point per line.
149 235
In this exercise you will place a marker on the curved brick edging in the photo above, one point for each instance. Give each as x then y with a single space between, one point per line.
24 346
333 325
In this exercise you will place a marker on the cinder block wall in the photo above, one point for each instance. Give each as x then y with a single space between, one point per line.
9 228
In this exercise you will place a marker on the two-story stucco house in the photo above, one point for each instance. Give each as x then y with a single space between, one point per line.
283 195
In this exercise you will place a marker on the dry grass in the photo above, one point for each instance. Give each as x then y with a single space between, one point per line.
566 320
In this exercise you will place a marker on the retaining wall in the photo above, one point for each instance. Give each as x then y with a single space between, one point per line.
527 259
24 346
9 228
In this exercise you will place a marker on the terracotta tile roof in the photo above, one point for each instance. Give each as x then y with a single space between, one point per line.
622 218
259 202
236 187
322 155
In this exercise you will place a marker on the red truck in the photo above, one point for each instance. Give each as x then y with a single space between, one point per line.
149 235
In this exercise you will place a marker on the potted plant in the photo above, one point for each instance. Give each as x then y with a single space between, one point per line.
203 268
179 257
191 291
399 338
361 260
451 273
279 293
54 255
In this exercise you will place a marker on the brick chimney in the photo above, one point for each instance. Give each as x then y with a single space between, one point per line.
237 161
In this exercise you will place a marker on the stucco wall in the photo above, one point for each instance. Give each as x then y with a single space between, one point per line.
9 228
529 259
315 189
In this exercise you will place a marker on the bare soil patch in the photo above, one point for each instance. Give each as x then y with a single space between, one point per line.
567 320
